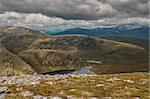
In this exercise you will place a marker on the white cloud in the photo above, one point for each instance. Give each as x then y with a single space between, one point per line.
24 19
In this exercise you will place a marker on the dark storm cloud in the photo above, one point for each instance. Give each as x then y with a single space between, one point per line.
132 8
79 9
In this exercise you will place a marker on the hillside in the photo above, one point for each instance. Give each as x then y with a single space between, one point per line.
125 38
75 50
47 53
18 38
10 64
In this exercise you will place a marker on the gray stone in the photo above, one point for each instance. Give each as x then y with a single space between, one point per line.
106 98
55 97
93 98
26 93
40 97
129 81
2 96
3 89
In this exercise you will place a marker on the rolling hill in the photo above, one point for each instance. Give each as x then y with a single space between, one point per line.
128 33
47 53
133 40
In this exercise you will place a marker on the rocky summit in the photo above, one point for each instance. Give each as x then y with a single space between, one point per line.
110 86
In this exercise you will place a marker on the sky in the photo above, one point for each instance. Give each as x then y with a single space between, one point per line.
74 13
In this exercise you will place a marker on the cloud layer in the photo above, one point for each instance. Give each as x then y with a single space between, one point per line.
14 18
79 9
74 13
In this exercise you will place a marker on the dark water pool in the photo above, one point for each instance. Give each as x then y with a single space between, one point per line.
83 70
59 72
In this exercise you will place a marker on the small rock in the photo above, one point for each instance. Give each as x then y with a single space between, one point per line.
113 79
106 97
99 85
49 83
93 98
33 83
62 92
2 96
26 93
55 97
86 93
72 89
116 79
75 76
35 74
39 97
71 97
129 81
3 89
144 81
19 89
136 98
125 87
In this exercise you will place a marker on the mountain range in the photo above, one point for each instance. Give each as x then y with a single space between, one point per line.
128 33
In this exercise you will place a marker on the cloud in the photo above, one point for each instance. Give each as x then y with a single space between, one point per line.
131 8
33 19
14 18
79 9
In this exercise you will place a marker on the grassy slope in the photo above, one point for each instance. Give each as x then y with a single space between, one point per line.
17 39
133 40
70 51
11 64
45 53
47 60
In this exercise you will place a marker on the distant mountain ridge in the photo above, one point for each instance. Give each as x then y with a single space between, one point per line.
141 32
129 33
